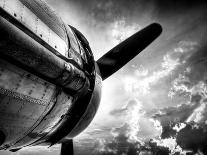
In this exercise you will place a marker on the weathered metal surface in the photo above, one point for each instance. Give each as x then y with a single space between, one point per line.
24 101
47 15
43 95
74 51
63 103
22 48
91 110
41 20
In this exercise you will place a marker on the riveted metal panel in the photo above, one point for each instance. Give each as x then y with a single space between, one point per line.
25 99
14 8
24 83
29 19
43 30
63 104
17 120
57 43
47 19
47 15
50 30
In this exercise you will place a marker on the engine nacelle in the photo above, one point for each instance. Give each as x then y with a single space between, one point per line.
49 87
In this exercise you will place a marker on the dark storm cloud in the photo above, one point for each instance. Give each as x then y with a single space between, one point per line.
192 137
109 10
120 145
172 7
194 80
167 131
173 115
170 13
193 114
190 83
198 64
181 19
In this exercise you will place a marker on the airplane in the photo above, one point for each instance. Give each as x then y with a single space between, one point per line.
50 84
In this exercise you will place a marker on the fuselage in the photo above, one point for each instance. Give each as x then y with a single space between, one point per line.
50 85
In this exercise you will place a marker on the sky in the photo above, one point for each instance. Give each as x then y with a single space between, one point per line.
157 103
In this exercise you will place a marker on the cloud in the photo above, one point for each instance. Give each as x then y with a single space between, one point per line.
179 127
119 144
185 138
186 123
109 9
192 83
166 123
103 18
173 65
198 115
168 143
142 85
121 30
130 137
140 127
193 138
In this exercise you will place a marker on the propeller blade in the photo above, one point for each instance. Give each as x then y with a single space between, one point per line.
67 147
127 50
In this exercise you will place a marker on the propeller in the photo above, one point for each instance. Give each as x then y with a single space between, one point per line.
121 54
67 147
117 57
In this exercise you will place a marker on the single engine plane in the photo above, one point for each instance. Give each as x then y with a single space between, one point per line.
50 84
